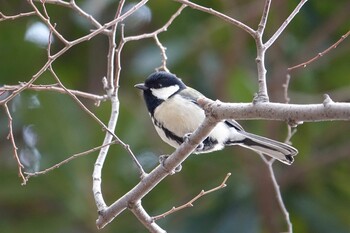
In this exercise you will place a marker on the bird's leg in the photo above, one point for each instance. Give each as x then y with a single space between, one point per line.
162 159
200 146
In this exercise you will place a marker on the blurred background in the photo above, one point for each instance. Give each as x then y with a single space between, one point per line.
208 54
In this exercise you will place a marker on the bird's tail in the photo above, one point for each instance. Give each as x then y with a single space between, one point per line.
275 149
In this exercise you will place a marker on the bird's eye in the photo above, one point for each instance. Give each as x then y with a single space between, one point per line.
160 85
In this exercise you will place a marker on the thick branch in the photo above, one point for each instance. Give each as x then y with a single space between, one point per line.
292 113
142 215
157 175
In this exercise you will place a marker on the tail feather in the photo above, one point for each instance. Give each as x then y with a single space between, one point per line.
272 148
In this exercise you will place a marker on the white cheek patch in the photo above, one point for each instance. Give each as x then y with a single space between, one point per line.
164 92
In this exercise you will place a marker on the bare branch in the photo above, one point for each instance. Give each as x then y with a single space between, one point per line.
285 87
89 17
46 20
285 24
219 15
279 197
13 17
57 165
56 88
319 55
190 203
157 175
283 112
13 142
158 31
112 87
163 54
263 20
144 218
155 36
118 52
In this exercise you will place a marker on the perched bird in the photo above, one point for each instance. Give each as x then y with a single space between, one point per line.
175 114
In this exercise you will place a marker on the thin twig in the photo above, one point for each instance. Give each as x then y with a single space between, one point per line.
118 52
109 129
285 89
319 55
111 88
57 165
155 36
56 88
219 15
68 44
284 24
163 54
190 203
13 142
46 19
13 17
264 16
279 197
158 31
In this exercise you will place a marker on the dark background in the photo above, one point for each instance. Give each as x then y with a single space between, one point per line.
216 58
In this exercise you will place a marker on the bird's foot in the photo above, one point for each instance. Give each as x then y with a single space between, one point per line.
200 146
162 159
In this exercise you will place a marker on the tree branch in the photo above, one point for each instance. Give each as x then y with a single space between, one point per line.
321 54
57 165
219 15
144 218
284 24
327 111
13 142
13 17
151 180
56 88
190 203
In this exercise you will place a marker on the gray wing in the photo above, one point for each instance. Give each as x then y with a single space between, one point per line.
191 94
194 95
234 124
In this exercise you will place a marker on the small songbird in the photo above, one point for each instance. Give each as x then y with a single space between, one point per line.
175 115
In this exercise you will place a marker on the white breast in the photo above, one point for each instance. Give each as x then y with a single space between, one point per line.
178 116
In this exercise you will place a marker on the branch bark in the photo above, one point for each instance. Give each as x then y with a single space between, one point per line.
151 180
292 113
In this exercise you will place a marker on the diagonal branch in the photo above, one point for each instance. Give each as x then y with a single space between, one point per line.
57 165
284 24
142 215
219 15
321 54
12 139
264 16
190 203
157 175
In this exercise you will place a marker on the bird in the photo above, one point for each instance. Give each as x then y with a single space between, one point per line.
176 114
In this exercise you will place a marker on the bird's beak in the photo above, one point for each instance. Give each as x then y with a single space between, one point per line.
141 86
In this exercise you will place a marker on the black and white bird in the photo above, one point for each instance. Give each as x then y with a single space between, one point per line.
175 114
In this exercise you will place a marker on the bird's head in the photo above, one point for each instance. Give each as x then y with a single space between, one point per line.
161 85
